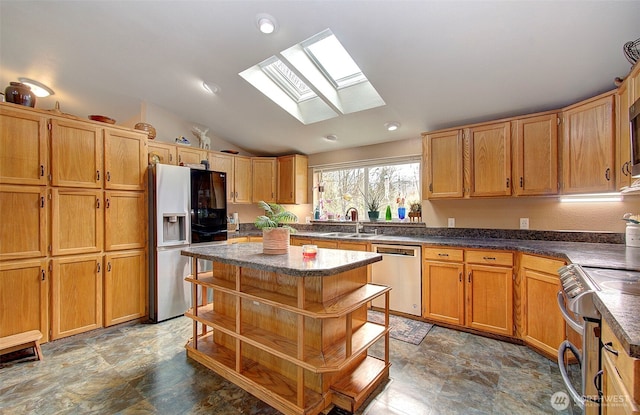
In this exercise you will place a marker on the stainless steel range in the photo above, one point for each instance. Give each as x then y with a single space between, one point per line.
579 286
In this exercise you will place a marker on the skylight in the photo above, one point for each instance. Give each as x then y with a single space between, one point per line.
333 60
314 80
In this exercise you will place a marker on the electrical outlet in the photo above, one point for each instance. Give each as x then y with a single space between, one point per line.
524 223
451 222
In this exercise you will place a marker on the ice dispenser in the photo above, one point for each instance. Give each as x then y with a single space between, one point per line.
174 228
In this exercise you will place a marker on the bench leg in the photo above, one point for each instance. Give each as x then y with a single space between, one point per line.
38 350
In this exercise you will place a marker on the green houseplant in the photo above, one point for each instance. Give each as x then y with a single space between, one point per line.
275 228
372 201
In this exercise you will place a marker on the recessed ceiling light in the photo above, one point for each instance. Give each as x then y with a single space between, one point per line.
266 23
331 137
38 88
210 87
392 125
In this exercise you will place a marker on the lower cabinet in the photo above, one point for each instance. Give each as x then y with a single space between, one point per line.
489 298
542 324
125 286
443 291
620 377
76 295
24 297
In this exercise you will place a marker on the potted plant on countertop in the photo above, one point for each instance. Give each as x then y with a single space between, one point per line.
372 200
275 231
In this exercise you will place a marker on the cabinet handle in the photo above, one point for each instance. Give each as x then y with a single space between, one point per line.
609 347
98 267
623 169
97 203
41 170
107 204
108 176
42 274
469 277
597 381
443 254
170 157
508 180
109 266
489 258
97 174
521 182
431 187
460 277
42 201
607 174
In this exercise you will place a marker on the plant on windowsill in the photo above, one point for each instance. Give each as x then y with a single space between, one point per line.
415 211
372 200
275 228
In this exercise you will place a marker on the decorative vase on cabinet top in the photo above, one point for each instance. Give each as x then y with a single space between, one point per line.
150 129
19 93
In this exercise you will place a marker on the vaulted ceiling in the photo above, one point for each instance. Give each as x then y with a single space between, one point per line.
436 64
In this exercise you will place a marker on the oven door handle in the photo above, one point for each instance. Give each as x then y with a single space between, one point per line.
562 350
573 323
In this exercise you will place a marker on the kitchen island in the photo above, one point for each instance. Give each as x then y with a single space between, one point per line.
292 331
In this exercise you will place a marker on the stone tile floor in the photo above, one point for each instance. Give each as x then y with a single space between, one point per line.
143 369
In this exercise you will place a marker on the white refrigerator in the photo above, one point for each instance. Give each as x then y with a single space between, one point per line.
170 232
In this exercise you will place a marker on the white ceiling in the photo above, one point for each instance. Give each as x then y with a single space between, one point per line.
435 63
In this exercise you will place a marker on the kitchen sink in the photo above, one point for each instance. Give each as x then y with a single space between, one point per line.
361 235
348 235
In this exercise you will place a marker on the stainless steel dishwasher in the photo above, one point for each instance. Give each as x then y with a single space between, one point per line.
401 270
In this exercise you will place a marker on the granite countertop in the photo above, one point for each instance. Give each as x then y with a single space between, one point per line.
327 261
620 310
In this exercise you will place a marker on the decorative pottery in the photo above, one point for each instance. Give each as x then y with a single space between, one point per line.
275 241
150 129
19 93
102 118
373 215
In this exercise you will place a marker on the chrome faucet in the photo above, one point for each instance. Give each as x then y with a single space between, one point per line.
359 227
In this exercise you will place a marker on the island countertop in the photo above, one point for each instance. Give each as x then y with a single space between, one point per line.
327 261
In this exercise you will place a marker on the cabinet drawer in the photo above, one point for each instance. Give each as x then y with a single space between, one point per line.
489 257
616 399
442 254
625 365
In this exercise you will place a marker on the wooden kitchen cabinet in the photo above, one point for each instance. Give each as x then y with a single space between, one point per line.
623 135
634 82
588 146
224 163
76 154
292 179
264 179
125 286
620 378
490 160
77 221
443 285
542 324
24 235
125 160
190 155
242 178
125 220
167 153
24 157
24 296
76 295
442 155
535 160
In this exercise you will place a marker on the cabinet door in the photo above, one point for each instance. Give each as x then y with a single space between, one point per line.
536 156
76 295
292 179
167 153
623 136
125 220
489 298
490 160
299 241
242 179
443 292
76 154
125 287
634 84
443 160
24 296
125 160
543 325
23 148
76 221
264 179
24 235
588 147
190 155
224 163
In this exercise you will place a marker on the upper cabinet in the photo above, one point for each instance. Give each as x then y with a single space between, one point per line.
125 160
535 155
443 155
264 179
223 163
623 135
490 160
167 153
190 155
238 170
588 146
23 147
292 179
76 154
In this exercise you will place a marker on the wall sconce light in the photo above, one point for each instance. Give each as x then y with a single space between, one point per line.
39 89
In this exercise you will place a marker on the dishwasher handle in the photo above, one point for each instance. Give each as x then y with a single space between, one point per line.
395 251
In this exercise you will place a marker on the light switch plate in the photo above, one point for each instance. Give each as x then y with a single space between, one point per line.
451 222
524 223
